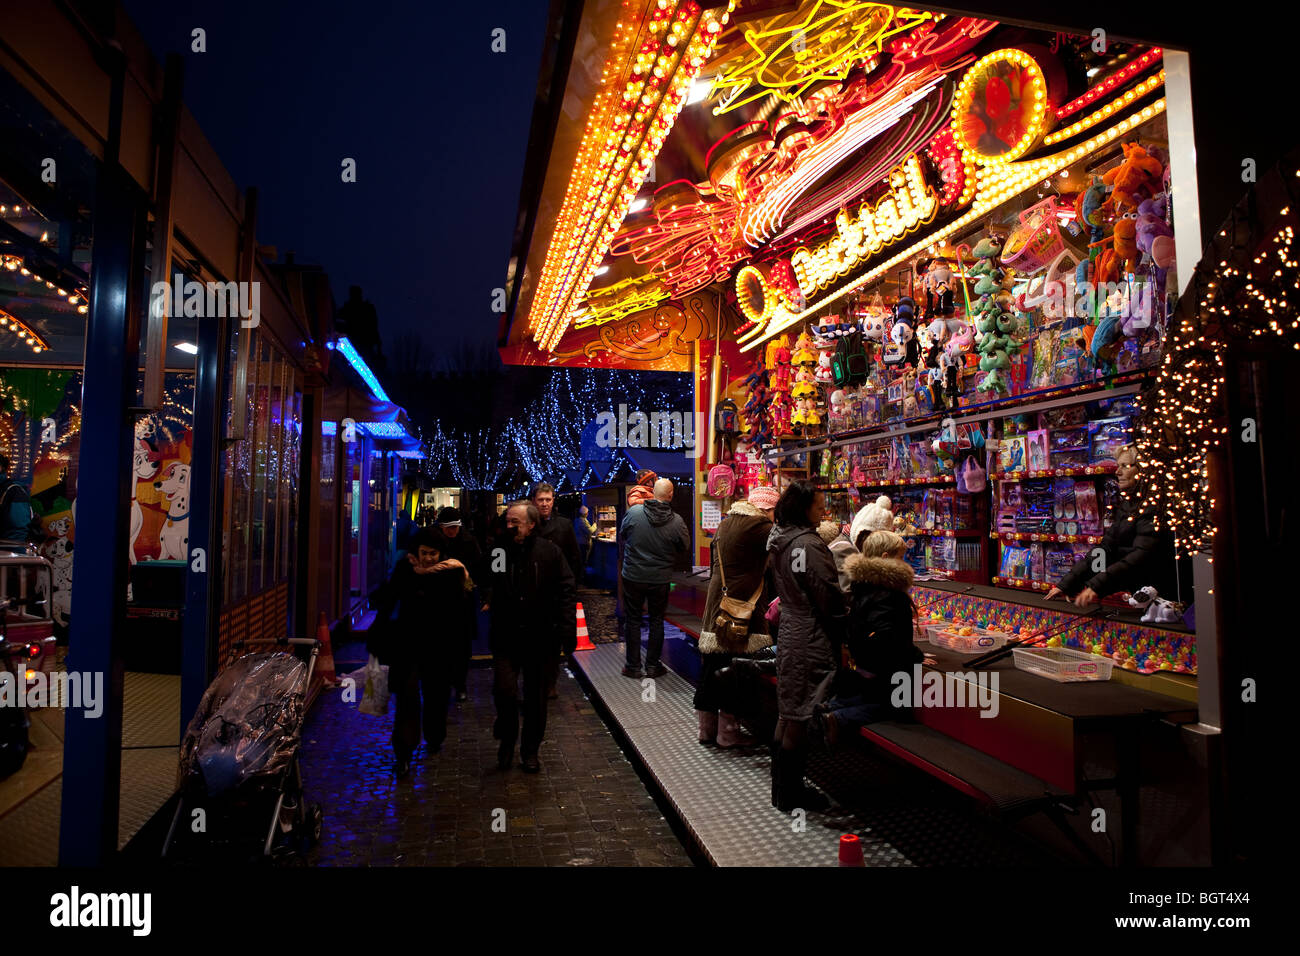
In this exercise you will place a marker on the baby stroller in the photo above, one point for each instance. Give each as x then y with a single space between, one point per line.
241 793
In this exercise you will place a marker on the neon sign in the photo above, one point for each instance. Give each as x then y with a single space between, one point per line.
910 203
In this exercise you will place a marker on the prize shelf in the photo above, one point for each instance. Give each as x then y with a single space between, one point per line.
901 483
1093 470
1047 538
1042 399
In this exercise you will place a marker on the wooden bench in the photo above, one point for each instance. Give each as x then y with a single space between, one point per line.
1001 790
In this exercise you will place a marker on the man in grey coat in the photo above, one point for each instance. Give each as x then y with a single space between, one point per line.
653 536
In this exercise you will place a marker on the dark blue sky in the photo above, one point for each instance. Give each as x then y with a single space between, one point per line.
437 122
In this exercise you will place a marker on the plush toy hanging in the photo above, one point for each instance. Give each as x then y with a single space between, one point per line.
938 286
1138 177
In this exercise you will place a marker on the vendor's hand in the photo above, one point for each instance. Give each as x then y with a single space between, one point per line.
1054 592
1085 597
484 607
930 660
446 564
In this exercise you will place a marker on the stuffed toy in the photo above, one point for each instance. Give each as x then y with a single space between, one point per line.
1138 177
837 411
805 384
781 415
1151 225
903 332
938 285
1158 610
987 251
1124 241
873 328
803 351
823 373
778 351
1088 208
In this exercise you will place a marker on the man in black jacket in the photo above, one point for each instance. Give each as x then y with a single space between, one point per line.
1134 554
529 589
464 626
418 647
556 528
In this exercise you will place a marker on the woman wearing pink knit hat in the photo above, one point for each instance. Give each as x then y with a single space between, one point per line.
739 572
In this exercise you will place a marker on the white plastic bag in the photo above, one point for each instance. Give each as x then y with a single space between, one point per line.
375 699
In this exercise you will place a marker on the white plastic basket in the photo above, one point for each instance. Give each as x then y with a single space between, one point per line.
921 629
977 643
1062 663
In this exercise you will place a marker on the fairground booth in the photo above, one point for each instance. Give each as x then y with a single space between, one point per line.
928 261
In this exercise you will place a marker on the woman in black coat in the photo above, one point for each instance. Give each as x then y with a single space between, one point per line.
811 632
420 648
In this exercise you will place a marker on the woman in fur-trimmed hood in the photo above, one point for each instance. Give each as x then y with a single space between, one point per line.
739 556
879 636
881 611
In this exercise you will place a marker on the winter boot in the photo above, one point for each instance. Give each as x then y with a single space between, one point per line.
795 794
708 726
728 730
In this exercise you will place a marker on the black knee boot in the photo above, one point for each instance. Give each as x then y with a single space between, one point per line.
795 794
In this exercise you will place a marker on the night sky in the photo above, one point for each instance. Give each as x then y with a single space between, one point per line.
437 123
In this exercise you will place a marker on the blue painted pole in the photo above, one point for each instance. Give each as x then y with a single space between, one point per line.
92 750
202 597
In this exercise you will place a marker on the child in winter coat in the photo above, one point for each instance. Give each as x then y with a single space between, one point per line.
879 642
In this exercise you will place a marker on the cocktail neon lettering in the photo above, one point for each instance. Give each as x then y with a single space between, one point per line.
909 203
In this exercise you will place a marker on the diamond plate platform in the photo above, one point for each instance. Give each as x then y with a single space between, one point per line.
723 797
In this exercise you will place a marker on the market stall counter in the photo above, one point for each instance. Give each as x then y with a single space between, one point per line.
1055 731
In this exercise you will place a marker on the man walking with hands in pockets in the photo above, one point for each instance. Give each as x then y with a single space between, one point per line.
653 537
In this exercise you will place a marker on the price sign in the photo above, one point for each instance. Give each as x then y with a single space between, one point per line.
710 515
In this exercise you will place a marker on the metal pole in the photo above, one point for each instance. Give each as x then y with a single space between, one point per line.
203 576
92 752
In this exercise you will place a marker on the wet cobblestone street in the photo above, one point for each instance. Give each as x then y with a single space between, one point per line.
587 807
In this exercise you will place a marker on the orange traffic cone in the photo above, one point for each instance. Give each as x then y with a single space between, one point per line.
584 642
851 850
325 659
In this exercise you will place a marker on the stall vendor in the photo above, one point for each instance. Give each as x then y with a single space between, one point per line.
1135 553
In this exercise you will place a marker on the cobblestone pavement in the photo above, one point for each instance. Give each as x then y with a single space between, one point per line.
587 807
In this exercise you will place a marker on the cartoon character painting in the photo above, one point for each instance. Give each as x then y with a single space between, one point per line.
173 538
144 467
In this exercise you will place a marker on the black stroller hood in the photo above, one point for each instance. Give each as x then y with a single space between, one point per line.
247 724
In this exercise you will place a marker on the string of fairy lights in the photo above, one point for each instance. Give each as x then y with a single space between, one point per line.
544 439
1242 290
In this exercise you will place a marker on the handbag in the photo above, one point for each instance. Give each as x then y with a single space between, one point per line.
733 620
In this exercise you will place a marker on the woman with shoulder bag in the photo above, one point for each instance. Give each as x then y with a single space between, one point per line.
734 615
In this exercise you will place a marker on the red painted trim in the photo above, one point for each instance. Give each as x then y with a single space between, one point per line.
682 627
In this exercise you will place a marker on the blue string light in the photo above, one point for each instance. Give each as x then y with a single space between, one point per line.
358 363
